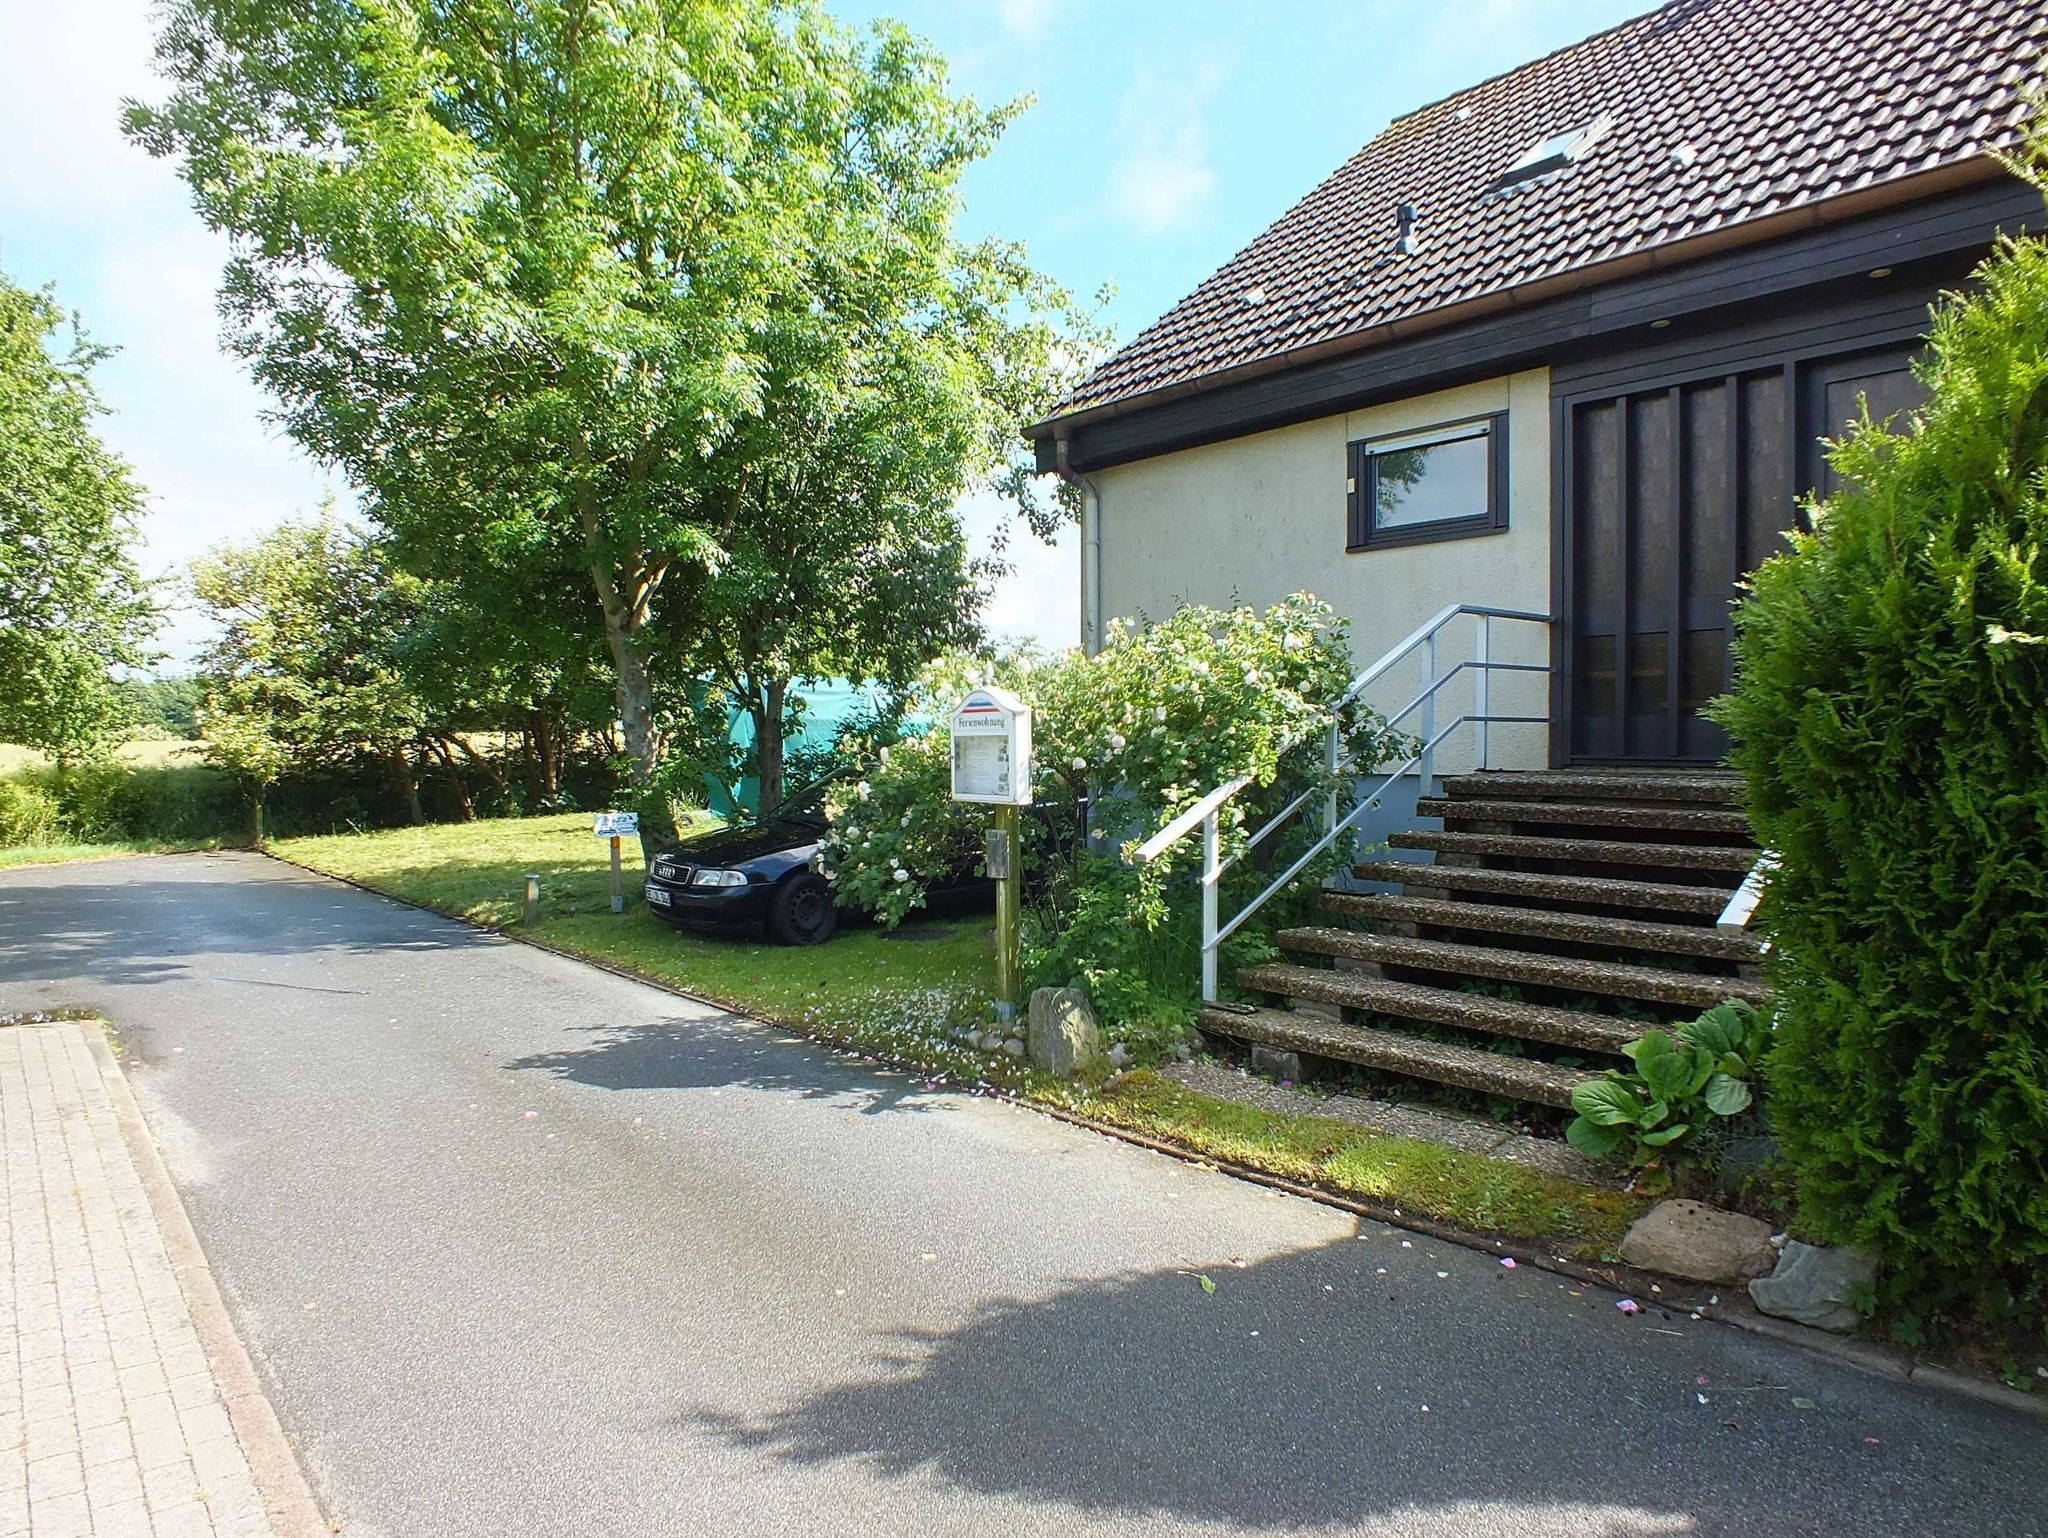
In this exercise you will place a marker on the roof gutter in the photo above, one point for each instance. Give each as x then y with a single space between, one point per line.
1091 545
1905 189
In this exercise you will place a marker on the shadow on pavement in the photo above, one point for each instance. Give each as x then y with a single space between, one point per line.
1293 1398
718 1052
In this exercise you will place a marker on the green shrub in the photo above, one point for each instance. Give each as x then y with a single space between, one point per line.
103 800
28 813
1891 722
1160 717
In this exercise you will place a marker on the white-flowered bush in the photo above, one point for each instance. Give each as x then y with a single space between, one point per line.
1159 717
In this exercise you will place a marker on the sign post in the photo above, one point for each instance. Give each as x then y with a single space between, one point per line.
992 767
616 826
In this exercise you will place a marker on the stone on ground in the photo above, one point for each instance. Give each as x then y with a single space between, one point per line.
1702 1243
1812 1285
1063 1036
1276 1063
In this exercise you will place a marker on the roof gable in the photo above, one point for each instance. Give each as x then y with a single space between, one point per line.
1708 114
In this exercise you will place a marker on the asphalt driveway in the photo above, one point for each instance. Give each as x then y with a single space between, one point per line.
521 1247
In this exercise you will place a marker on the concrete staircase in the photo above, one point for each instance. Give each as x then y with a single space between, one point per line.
1563 912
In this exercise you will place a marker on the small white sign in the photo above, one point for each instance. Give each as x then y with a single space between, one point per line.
617 824
992 749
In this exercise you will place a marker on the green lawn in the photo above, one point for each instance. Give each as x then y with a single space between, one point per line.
903 998
142 753
896 994
58 854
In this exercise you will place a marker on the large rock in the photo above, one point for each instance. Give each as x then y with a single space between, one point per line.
1063 1036
1813 1286
1691 1239
1275 1063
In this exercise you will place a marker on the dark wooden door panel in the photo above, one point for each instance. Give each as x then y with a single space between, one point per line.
1669 496
1656 548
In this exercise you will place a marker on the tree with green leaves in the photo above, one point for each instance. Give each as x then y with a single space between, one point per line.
72 605
305 669
654 276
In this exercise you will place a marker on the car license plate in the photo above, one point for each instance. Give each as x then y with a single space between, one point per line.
657 896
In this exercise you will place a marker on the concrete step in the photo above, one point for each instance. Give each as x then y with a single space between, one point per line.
1576 1029
1590 814
1595 891
1547 924
1591 851
1609 979
1493 1073
1700 787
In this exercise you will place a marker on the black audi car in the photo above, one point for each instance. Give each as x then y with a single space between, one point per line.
764 875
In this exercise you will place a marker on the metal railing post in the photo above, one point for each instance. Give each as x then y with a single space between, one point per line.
1330 761
1363 795
1427 767
1211 859
1479 696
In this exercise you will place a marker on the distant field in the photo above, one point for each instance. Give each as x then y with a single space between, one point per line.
155 753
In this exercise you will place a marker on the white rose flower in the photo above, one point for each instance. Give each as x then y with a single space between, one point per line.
1080 764
1159 713
1251 676
902 874
1293 642
862 790
1116 743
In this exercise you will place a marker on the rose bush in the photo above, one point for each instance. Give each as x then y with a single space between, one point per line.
1159 717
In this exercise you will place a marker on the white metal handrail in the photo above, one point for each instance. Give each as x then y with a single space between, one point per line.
1742 902
1207 812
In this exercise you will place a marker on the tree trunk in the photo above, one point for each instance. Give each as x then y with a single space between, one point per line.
455 779
256 818
407 784
635 695
492 771
767 711
543 739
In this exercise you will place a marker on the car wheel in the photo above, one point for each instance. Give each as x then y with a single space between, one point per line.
803 911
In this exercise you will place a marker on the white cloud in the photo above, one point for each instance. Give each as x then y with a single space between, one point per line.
81 206
60 116
1039 599
1027 20
1163 180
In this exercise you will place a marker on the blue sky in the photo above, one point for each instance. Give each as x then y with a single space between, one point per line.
1163 138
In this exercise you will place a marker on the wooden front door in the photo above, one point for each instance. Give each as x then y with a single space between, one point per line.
1668 496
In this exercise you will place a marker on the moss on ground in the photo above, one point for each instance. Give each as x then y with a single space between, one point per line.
1427 1179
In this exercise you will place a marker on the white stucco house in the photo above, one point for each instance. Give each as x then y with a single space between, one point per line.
1567 343
1564 347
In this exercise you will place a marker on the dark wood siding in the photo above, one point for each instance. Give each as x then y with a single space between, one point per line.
1669 493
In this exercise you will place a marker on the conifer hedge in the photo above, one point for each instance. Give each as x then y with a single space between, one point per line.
1891 721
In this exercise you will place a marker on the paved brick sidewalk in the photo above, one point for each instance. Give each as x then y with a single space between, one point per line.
112 1418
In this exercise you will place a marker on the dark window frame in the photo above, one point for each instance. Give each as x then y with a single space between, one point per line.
1362 535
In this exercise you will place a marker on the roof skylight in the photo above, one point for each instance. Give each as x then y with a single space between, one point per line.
1555 152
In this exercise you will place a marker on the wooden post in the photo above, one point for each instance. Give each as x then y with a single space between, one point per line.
618 890
1009 910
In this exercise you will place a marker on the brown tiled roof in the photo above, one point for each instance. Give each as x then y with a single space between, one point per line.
1722 112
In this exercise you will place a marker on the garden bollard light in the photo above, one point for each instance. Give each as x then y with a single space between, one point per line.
532 899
